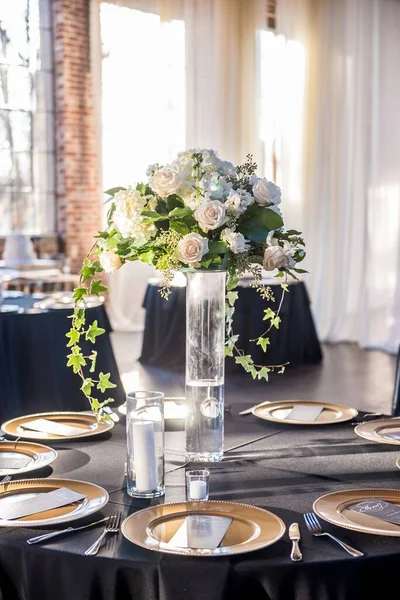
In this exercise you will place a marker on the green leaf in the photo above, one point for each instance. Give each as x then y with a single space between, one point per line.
104 383
253 371
153 215
93 359
268 314
263 342
292 232
114 190
180 212
73 336
263 216
96 287
228 350
86 386
147 257
254 233
245 361
217 247
232 283
206 262
285 287
300 270
93 332
111 243
79 293
275 322
263 373
174 201
232 297
76 360
179 227
87 270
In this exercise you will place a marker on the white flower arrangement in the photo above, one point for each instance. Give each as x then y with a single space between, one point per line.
197 212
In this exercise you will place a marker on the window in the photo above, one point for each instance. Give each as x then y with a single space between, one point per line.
26 117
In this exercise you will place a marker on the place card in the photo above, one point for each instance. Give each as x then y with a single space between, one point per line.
201 531
53 427
15 508
304 412
375 507
13 461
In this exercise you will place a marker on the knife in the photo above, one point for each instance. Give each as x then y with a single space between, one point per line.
48 536
294 535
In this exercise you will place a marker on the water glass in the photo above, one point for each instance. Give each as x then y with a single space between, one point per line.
145 444
197 484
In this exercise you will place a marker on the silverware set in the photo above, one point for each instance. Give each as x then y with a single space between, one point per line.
315 528
112 526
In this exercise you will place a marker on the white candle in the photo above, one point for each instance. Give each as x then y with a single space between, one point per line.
144 453
198 489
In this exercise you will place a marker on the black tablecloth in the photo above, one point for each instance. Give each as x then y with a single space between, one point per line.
284 472
33 372
295 342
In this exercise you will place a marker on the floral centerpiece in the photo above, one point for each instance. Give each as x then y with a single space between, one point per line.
197 213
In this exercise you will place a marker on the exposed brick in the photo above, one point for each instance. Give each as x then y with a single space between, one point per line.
78 182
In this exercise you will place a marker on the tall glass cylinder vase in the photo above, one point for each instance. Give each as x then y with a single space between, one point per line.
205 362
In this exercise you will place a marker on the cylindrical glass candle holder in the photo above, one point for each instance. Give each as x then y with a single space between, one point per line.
197 484
145 444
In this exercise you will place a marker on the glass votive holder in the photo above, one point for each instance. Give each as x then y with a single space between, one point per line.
197 484
145 444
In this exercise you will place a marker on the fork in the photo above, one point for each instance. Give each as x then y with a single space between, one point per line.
112 526
315 528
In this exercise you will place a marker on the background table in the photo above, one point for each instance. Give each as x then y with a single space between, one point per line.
33 358
284 472
295 342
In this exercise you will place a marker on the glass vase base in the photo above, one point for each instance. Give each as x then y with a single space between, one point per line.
134 493
204 457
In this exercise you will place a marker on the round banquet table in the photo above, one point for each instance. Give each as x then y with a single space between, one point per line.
33 357
284 472
295 342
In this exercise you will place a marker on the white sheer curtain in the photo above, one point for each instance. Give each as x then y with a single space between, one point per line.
339 165
175 74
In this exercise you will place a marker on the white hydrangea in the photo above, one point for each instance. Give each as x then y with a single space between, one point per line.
127 218
236 242
238 201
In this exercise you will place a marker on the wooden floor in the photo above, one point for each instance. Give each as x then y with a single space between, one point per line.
360 378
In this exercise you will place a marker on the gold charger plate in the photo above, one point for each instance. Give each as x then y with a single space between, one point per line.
334 508
252 528
95 498
15 427
40 456
331 413
375 431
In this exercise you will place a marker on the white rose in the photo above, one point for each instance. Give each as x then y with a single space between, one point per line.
235 241
191 248
110 261
266 192
210 215
128 206
275 258
165 181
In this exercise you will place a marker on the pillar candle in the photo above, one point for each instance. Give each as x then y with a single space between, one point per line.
144 453
198 489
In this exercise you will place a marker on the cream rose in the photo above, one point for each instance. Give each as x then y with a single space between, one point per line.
192 248
165 181
275 258
210 215
110 261
266 192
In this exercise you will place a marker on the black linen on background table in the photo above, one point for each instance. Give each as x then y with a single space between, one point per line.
295 342
284 472
33 357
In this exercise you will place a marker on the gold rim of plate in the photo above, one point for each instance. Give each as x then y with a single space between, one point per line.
333 508
96 498
14 427
252 528
41 456
332 413
372 430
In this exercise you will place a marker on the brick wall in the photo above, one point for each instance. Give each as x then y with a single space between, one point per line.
77 188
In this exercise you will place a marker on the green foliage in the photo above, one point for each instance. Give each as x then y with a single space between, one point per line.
179 227
93 332
263 342
104 382
114 190
97 288
180 213
76 359
73 336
